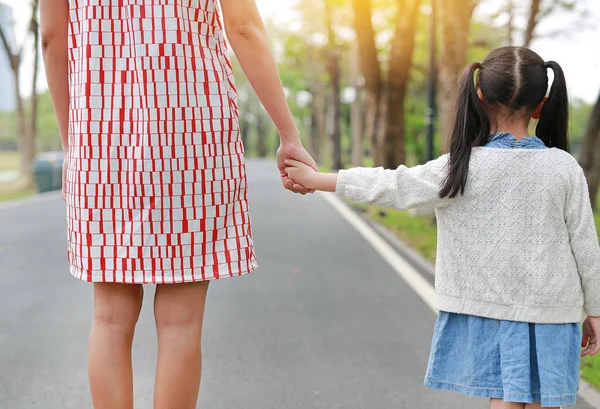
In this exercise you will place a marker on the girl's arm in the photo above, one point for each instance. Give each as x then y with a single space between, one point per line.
402 188
584 240
54 20
248 38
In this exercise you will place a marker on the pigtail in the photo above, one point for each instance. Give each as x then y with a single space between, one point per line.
553 125
471 128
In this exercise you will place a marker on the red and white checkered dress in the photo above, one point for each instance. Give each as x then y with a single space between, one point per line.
156 181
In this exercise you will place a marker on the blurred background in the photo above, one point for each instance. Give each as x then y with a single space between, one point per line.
370 82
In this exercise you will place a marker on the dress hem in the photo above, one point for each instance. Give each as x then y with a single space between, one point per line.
498 393
516 313
178 278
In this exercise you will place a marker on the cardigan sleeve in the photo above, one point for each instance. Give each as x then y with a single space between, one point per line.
402 188
584 240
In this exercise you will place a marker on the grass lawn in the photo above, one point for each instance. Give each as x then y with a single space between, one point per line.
421 235
10 161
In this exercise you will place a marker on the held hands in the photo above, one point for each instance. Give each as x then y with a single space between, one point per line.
591 335
301 174
294 151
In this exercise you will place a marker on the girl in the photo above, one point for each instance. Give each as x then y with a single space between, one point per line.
518 253
155 181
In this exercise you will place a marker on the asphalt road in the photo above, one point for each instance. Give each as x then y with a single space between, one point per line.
324 323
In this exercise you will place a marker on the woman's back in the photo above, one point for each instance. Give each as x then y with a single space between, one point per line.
156 162
144 54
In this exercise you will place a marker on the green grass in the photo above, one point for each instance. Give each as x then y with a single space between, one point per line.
11 161
421 234
590 370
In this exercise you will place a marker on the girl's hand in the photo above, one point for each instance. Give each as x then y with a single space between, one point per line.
301 173
591 334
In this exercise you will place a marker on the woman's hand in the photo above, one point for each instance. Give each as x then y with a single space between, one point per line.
293 151
591 332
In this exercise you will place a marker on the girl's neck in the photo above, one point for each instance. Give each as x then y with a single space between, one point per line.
517 128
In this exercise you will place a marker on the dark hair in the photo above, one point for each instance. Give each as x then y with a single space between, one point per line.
512 78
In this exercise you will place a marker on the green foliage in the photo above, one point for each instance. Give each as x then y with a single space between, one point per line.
48 137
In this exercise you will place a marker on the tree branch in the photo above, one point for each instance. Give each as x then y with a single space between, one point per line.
7 46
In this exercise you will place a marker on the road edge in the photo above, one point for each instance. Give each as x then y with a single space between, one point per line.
33 199
402 259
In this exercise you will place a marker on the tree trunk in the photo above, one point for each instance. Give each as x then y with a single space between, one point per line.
316 114
454 19
510 25
356 113
394 149
261 136
532 22
26 141
370 67
335 112
590 154
24 138
31 135
334 70
36 64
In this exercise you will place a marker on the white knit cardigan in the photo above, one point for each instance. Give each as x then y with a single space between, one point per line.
519 245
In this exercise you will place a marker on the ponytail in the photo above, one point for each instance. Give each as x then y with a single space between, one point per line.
471 128
553 126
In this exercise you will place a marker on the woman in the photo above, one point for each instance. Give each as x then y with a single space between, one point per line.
155 180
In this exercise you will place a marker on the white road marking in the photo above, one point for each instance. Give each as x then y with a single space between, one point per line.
387 252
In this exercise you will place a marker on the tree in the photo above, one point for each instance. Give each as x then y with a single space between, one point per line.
334 71
35 32
385 116
534 12
393 152
590 153
455 20
369 65
356 113
532 22
26 137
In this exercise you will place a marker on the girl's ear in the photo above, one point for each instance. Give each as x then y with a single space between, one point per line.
480 94
538 111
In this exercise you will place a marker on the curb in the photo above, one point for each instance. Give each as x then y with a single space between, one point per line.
586 391
33 199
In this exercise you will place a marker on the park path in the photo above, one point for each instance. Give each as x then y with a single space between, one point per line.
325 323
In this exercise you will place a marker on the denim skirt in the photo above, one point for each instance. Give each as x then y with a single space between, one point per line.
513 361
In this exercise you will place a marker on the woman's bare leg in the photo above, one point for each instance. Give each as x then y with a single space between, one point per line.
500 404
179 312
116 311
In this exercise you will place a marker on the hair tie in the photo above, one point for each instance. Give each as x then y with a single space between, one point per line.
547 65
479 65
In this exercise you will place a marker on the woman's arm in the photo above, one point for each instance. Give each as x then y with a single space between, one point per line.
249 40
54 20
